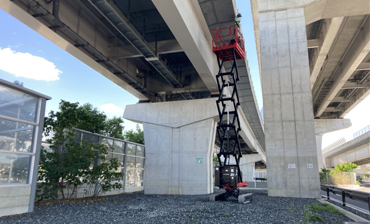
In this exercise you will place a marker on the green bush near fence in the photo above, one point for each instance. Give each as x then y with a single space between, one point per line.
342 174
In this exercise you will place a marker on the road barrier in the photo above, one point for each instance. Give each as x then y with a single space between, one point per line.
352 194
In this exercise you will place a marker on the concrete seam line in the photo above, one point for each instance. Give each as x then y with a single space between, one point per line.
180 126
349 214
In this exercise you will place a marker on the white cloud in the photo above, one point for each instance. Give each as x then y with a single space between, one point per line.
111 108
27 65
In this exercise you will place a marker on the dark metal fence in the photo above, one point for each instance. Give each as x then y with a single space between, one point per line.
352 194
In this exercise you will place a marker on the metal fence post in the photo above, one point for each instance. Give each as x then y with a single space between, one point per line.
125 167
328 193
368 203
344 198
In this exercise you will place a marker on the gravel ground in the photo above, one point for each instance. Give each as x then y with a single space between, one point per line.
361 214
140 208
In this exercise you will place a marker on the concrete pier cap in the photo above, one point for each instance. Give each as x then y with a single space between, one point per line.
323 126
179 142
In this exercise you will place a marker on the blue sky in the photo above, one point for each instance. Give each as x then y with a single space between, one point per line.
74 81
77 82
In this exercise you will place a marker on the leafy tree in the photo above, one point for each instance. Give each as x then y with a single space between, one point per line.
135 136
84 117
113 127
72 115
346 167
71 163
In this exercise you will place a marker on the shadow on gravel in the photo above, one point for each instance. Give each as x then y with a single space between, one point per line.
140 208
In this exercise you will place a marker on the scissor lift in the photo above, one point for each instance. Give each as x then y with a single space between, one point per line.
228 45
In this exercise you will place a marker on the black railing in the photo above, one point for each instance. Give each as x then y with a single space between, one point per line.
352 194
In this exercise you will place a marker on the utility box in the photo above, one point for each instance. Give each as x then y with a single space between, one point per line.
226 176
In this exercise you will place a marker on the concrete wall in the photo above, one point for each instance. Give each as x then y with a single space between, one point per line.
288 114
14 199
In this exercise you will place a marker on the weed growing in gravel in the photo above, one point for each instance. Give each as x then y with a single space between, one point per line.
309 216
325 207
226 215
292 209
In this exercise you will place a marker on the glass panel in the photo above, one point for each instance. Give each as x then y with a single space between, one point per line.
16 104
119 147
131 149
119 158
14 168
139 174
90 138
139 183
77 136
108 142
15 136
109 156
130 178
140 151
139 162
130 161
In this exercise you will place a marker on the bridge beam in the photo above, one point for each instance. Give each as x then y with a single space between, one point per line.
351 61
186 22
330 31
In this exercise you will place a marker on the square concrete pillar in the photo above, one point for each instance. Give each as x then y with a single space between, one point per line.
292 169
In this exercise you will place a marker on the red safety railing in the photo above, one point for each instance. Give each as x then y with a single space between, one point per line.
227 39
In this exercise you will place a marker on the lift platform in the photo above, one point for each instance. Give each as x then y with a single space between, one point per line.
228 45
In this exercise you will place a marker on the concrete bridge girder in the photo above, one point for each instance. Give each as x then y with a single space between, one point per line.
186 22
356 151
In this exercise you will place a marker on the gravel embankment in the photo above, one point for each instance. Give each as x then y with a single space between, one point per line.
140 208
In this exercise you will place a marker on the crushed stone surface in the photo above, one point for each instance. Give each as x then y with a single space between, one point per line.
141 208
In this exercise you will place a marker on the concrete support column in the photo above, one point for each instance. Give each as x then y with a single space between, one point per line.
179 141
247 164
288 114
323 126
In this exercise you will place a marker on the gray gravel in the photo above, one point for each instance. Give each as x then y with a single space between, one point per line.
140 208
361 214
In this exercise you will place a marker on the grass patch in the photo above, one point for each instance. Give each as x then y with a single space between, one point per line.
309 216
325 207
226 215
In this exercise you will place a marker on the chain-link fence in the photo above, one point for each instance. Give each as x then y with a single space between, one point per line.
338 178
